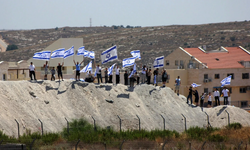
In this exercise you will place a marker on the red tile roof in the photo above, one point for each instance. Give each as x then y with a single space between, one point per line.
225 59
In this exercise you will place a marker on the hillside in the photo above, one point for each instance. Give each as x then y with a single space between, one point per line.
152 41
52 102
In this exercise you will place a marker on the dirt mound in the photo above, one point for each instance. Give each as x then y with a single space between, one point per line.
52 102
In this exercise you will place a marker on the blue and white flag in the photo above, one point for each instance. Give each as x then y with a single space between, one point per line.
109 55
90 54
136 54
81 50
58 53
134 70
159 62
87 68
69 52
45 55
110 70
226 81
128 62
195 85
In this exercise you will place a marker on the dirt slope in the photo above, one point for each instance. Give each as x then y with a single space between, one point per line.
75 100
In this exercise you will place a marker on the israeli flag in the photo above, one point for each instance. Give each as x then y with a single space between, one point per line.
159 62
91 54
110 69
195 85
45 55
128 62
226 81
69 52
87 68
109 55
81 50
134 70
58 53
136 54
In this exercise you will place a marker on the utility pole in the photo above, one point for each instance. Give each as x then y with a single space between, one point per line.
90 22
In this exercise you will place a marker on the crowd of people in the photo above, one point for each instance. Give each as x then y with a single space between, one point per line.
216 97
131 78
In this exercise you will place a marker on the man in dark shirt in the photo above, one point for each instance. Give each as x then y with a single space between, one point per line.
196 95
126 78
106 75
59 71
190 95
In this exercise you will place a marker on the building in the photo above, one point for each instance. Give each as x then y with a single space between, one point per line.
3 70
195 65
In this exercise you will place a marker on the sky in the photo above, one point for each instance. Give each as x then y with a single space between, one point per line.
43 14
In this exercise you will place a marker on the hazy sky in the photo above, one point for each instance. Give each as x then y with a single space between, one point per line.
36 14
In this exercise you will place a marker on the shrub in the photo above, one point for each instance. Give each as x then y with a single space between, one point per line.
198 133
234 126
216 138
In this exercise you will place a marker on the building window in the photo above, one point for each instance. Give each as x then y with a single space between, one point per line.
244 104
245 75
216 76
176 63
167 62
181 62
205 76
232 74
206 90
243 90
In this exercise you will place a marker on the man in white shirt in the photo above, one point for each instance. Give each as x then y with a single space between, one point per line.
117 72
225 92
217 96
99 73
143 74
32 71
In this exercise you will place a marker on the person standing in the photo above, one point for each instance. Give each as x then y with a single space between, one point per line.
137 77
106 75
217 96
131 79
53 72
32 70
143 74
99 73
177 85
149 76
202 99
225 92
126 78
59 71
46 72
190 95
209 100
164 77
117 72
156 72
78 68
196 95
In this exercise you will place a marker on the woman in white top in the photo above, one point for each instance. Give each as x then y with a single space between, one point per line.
209 100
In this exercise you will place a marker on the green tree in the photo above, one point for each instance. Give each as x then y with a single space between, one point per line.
11 47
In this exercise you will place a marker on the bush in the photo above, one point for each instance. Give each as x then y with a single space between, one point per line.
11 47
234 126
198 133
216 138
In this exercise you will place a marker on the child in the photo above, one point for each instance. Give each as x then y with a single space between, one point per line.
53 74
202 99
209 100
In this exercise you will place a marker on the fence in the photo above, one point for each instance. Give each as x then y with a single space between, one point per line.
159 143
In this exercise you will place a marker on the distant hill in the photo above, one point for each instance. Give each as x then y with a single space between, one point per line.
152 41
